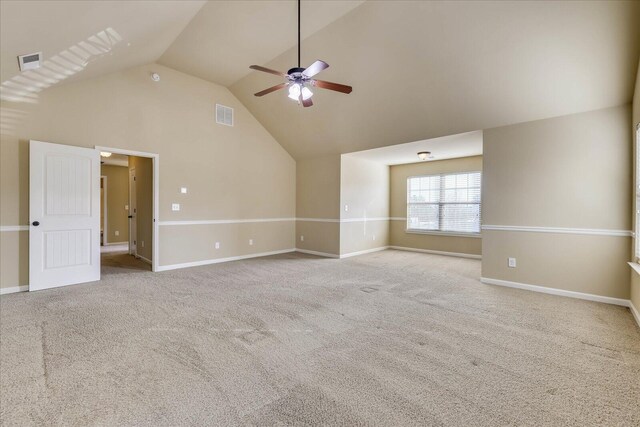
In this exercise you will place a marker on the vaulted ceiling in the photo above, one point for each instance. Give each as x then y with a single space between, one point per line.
419 69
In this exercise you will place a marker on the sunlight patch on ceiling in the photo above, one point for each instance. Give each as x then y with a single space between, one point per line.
26 86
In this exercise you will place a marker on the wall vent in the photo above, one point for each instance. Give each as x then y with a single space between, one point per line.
30 61
224 115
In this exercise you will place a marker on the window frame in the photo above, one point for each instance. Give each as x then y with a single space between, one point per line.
636 184
440 205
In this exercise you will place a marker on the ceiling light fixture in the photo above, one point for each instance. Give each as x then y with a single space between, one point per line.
155 77
424 155
105 154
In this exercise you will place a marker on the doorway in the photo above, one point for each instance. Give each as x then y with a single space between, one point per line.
127 197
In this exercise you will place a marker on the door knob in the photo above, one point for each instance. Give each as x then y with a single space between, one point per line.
35 223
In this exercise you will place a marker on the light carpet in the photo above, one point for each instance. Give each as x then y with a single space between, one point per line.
389 338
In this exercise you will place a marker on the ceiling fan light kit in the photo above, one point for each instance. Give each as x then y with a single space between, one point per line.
300 79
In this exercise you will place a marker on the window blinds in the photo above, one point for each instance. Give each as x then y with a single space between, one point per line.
445 202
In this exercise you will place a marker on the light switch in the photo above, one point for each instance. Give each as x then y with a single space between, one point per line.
126 207
175 206
183 190
512 263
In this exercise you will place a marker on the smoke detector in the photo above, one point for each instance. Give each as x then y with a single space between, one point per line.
155 77
30 61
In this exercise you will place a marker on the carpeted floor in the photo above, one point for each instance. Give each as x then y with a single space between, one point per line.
389 338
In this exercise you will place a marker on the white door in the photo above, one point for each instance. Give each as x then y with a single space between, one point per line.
64 215
133 214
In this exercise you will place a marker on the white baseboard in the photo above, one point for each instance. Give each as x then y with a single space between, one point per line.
220 260
324 254
367 251
556 291
115 243
140 257
14 289
429 251
634 311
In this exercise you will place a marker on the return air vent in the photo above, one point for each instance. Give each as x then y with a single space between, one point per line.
30 61
224 115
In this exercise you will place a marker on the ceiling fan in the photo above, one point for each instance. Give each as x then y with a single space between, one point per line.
300 79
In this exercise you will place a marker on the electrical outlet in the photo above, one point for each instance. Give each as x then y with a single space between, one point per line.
217 245
250 242
142 243
117 233
302 238
175 206
183 190
512 263
374 237
346 208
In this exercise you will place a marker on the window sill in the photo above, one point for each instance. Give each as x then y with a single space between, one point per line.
445 233
635 266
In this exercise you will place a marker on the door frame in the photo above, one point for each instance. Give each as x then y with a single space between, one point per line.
105 231
133 213
155 234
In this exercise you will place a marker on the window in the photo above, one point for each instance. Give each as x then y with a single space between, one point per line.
637 183
445 202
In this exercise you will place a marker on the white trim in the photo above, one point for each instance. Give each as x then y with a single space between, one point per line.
433 252
224 221
140 257
14 289
382 218
634 311
155 232
220 260
561 230
324 254
444 233
398 218
555 291
635 266
105 229
367 251
318 219
117 243
14 228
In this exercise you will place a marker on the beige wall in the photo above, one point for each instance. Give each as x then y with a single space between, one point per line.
318 204
237 172
569 172
398 207
364 188
117 199
635 279
144 207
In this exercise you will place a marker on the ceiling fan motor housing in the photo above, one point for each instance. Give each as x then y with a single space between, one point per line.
295 72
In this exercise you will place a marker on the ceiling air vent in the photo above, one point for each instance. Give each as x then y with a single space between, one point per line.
30 61
224 115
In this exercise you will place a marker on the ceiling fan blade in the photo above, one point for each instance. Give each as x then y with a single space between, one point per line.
332 86
315 68
307 102
268 70
272 89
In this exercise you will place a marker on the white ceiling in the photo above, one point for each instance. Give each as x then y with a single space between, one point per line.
228 36
115 160
421 70
84 39
446 147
